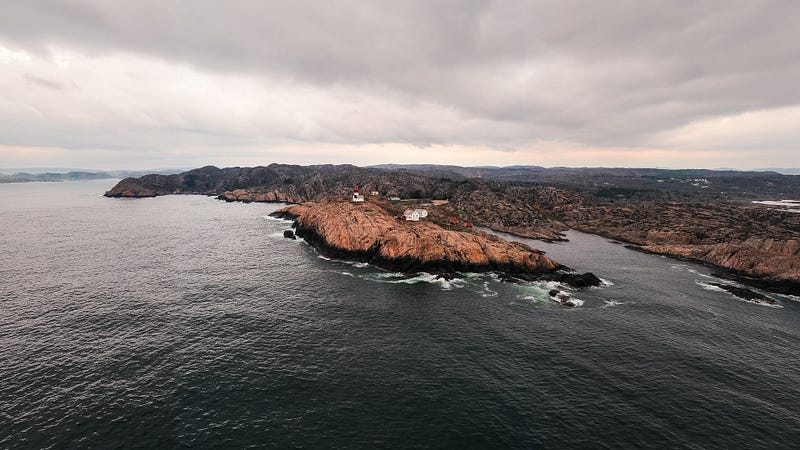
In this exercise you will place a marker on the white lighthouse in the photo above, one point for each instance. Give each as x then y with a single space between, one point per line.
357 197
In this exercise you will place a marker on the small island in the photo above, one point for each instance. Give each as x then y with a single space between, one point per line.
372 231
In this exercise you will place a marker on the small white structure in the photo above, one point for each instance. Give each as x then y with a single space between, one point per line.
415 214
357 197
374 193
394 198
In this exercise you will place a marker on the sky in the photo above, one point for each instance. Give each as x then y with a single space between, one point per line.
137 84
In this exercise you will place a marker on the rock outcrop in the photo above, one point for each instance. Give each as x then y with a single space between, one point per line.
261 195
371 232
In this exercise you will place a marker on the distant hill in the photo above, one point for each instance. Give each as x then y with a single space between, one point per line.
784 170
39 175
24 177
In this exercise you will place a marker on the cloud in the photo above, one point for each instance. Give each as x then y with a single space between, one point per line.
506 75
773 130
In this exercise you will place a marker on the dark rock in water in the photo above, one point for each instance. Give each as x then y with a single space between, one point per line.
745 293
577 280
581 280
283 214
449 275
289 234
786 287
562 298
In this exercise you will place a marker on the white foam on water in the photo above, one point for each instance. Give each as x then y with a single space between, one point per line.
323 257
390 275
536 299
550 285
540 291
278 219
710 287
611 303
790 297
486 292
573 302
422 277
606 283
347 273
713 288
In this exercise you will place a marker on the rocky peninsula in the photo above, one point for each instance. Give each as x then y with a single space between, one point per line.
704 216
371 232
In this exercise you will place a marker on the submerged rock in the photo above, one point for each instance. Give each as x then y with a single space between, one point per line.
562 275
745 294
563 298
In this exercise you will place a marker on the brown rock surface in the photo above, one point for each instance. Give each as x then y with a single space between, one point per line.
370 232
259 195
753 240
759 257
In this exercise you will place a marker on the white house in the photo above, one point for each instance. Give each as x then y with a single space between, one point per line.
415 214
357 197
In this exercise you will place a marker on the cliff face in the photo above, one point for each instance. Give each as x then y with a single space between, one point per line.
370 232
768 258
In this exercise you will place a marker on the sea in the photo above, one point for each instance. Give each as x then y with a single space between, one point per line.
183 321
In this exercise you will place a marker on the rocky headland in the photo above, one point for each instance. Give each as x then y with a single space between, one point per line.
372 233
700 215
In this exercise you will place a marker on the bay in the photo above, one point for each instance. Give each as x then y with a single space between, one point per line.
183 321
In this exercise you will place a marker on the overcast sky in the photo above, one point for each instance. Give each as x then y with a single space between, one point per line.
160 83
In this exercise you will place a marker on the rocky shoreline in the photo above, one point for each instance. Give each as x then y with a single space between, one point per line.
658 211
371 233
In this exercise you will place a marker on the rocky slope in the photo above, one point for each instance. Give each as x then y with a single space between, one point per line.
281 182
372 233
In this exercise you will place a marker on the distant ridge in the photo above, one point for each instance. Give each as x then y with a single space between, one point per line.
39 175
782 170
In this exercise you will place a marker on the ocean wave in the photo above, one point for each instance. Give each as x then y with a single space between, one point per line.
422 277
278 219
701 274
540 291
611 303
790 297
711 287
486 292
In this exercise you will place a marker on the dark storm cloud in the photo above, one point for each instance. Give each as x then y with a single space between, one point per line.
600 73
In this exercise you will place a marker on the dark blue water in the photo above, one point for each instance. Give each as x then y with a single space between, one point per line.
182 321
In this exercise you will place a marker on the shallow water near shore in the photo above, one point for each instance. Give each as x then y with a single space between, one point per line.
183 321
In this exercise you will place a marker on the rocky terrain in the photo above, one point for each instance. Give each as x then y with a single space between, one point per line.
702 215
371 232
754 240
